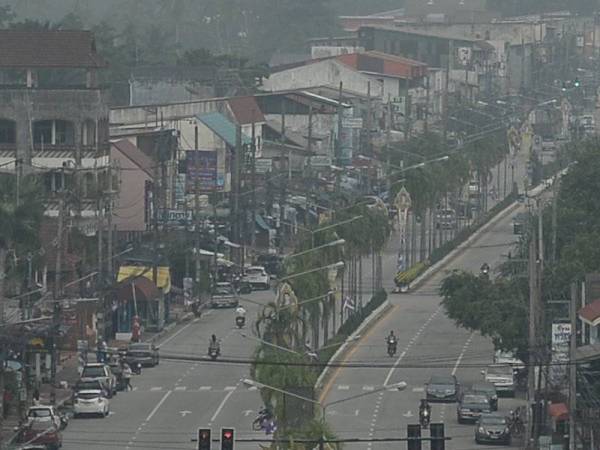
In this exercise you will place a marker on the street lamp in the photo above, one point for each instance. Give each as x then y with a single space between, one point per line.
400 386
337 265
304 252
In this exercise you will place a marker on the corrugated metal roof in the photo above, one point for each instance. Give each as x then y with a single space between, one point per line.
222 127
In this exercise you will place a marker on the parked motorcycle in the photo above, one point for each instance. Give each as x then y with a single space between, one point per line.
240 321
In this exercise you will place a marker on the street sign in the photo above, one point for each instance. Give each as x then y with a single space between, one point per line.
352 122
263 165
320 161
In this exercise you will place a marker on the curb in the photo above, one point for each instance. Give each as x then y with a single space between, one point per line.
379 312
364 326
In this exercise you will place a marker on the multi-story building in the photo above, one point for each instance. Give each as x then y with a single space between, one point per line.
54 116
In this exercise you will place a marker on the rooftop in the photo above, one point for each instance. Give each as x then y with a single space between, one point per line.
49 49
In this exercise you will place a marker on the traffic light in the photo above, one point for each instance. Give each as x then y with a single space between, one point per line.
227 438
413 433
437 436
204 438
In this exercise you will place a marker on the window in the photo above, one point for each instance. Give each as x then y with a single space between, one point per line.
8 132
53 132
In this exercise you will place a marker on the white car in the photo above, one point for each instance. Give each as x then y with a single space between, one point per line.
91 402
44 413
257 277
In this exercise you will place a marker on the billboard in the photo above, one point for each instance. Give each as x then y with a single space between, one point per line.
201 172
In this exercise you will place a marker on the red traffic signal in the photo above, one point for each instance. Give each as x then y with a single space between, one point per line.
204 438
227 438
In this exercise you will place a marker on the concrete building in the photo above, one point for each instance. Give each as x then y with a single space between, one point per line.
54 115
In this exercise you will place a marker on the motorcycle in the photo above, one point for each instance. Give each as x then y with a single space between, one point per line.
240 321
424 418
214 352
136 368
391 348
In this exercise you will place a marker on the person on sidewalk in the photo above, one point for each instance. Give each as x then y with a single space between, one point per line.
127 374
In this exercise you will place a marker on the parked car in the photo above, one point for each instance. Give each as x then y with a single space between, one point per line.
487 389
471 406
90 402
100 371
142 353
41 433
91 385
492 428
224 296
442 388
46 414
257 276
502 377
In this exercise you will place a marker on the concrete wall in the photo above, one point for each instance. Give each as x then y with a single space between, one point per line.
130 204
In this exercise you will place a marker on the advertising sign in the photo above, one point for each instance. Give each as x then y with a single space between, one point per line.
201 173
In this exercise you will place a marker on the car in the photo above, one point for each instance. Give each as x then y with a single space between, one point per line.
442 388
142 353
45 414
91 401
502 377
100 371
492 428
471 406
41 433
86 385
258 277
487 389
224 296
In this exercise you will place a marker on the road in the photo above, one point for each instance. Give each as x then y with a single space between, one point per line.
169 402
428 343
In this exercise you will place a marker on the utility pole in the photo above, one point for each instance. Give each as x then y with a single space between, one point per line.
573 364
57 287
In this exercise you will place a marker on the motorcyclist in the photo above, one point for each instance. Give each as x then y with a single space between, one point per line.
424 409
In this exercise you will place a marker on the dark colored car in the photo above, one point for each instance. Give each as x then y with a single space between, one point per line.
442 388
492 428
41 433
489 390
471 407
142 353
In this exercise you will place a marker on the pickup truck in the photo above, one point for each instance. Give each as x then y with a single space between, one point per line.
502 377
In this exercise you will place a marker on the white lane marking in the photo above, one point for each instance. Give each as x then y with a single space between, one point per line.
158 405
343 387
180 388
205 388
462 353
230 388
220 407
403 354
156 388
173 336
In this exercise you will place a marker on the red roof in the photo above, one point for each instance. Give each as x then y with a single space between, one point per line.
591 313
51 49
559 411
245 110
138 157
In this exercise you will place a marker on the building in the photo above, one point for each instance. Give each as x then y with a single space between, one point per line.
54 115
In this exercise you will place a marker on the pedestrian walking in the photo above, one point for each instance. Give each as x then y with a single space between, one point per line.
127 373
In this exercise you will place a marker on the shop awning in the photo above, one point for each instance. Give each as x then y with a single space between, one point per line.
163 275
261 223
558 411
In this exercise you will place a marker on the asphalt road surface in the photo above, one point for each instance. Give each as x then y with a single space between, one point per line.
428 343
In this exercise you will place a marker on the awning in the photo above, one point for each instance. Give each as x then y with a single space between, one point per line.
559 411
163 275
261 223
